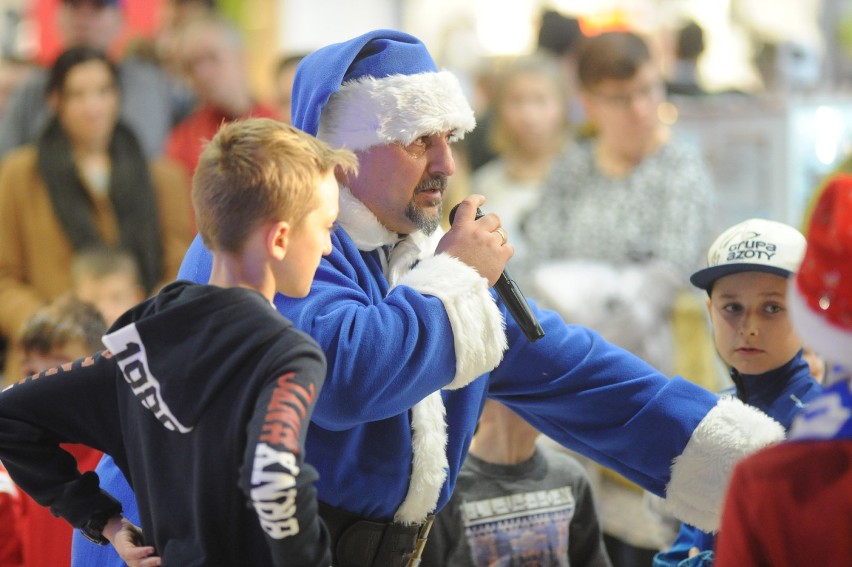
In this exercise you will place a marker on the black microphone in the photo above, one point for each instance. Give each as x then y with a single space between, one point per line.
511 296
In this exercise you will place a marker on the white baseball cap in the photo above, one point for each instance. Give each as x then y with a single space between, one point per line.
754 245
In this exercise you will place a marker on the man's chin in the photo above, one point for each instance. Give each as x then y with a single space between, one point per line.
426 220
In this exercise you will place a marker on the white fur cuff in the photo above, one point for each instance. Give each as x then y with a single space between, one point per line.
478 327
700 475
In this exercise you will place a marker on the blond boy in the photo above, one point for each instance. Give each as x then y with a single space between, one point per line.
204 395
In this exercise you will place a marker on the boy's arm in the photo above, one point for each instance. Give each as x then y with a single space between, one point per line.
84 553
685 551
61 405
274 475
126 538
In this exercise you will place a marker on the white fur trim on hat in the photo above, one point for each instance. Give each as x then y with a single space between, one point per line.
816 331
479 331
700 475
429 461
369 112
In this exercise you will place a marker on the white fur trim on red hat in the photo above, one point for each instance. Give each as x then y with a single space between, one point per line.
369 112
816 331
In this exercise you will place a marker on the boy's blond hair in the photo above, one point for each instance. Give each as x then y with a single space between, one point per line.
63 320
255 171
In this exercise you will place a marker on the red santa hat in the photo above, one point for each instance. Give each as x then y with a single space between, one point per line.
821 297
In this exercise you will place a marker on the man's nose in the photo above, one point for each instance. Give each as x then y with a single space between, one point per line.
441 161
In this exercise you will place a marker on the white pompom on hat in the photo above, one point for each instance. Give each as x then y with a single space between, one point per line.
820 300
375 89
754 245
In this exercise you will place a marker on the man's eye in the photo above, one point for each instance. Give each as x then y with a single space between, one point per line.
417 148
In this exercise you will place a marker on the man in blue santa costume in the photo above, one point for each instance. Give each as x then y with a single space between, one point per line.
416 341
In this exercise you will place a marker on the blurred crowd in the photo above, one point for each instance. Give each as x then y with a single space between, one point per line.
608 209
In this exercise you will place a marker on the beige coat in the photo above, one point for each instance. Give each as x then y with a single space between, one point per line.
35 254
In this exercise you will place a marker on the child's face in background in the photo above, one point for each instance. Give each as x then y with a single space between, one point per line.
33 362
532 112
112 294
751 325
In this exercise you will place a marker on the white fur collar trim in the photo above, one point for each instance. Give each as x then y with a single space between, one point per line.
478 333
429 462
368 233
362 226
729 432
369 112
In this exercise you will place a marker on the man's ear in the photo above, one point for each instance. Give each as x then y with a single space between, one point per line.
278 239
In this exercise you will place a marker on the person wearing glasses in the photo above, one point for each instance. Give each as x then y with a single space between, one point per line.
633 201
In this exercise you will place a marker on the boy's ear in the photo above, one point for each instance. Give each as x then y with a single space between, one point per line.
278 239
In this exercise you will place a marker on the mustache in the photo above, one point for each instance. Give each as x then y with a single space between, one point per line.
437 182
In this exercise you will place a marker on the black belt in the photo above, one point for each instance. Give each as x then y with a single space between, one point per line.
356 542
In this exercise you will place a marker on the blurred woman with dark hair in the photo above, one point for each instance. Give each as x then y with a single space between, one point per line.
84 184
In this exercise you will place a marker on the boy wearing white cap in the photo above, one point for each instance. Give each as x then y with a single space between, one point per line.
749 266
791 504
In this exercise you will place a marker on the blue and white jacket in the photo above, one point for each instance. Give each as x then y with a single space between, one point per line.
416 342
780 393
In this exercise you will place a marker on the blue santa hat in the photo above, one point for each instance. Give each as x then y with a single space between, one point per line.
375 89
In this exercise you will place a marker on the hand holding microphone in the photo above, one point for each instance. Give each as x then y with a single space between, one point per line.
511 296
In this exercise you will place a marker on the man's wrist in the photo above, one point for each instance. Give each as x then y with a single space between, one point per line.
112 527
99 530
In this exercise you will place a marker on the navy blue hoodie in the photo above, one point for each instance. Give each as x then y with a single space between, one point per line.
203 399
